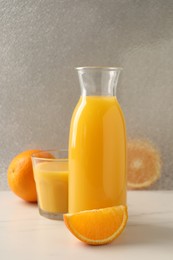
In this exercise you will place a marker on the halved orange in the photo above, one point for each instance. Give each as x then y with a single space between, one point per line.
143 164
97 226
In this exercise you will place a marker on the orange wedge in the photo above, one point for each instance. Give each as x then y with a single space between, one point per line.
98 226
143 164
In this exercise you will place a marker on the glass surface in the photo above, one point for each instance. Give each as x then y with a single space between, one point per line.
51 178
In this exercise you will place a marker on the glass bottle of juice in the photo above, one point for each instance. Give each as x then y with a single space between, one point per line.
97 143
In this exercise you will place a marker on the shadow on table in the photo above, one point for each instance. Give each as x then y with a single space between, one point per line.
146 234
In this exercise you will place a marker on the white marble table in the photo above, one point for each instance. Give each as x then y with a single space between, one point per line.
25 235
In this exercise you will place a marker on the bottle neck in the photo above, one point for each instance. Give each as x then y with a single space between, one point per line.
98 81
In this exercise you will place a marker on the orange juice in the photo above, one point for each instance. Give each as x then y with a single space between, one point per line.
97 154
52 186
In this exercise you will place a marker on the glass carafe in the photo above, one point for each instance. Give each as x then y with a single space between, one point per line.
97 143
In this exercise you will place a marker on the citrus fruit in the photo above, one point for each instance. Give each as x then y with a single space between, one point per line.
143 164
20 176
97 226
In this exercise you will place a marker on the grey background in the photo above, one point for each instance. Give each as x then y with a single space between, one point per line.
42 41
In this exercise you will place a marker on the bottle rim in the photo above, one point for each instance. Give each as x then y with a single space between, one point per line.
98 68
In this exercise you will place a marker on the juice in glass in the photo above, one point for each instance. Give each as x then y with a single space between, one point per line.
51 178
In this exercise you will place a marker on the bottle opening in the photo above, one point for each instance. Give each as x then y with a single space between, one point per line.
99 68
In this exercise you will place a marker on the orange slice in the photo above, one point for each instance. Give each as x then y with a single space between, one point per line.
98 226
143 164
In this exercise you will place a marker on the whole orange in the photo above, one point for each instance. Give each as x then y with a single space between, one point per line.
20 176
